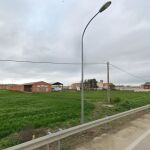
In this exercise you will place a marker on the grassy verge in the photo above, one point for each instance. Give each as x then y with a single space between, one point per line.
20 112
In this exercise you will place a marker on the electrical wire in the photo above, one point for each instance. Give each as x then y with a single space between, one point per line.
48 62
70 63
135 76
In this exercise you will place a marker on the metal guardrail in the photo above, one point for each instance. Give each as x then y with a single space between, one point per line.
46 140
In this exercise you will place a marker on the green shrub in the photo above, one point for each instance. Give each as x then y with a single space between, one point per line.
116 100
125 104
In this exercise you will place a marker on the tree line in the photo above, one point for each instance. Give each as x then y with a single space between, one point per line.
90 84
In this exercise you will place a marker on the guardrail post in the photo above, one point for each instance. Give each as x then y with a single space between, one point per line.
47 147
59 143
106 125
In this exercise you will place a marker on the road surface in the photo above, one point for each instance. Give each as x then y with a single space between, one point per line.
135 136
141 143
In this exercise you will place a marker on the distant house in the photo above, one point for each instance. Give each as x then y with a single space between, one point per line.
146 85
75 86
100 85
3 86
103 86
12 87
57 86
128 88
40 86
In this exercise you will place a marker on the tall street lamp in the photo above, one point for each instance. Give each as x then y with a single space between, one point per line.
103 8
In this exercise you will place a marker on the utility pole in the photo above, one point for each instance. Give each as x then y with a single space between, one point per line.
108 83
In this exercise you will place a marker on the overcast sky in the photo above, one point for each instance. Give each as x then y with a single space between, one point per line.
50 30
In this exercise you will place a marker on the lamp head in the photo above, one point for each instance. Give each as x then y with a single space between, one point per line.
105 6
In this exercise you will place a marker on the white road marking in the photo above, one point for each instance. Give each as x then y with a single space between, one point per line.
137 141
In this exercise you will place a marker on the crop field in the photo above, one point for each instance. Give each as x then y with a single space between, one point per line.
43 111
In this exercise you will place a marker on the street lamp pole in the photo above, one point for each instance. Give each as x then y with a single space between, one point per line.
108 82
104 7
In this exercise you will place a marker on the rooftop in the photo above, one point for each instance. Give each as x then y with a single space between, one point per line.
147 83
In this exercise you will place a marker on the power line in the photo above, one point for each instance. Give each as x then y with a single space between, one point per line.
35 62
48 62
135 76
70 63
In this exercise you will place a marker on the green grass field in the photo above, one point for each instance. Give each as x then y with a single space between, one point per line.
57 110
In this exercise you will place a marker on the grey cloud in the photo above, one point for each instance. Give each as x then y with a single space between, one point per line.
51 31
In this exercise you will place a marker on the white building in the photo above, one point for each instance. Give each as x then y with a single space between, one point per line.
75 86
57 86
100 85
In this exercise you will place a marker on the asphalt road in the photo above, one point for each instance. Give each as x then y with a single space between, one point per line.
135 136
142 143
